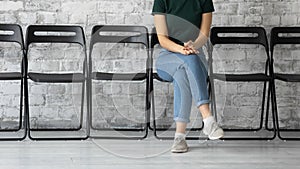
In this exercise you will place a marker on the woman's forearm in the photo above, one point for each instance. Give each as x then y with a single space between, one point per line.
166 43
200 41
204 30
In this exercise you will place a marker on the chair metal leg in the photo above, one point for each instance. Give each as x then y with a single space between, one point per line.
267 112
279 131
254 129
56 129
155 129
92 127
150 95
20 114
20 120
213 98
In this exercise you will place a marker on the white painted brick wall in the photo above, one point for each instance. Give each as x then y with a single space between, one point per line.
240 99
11 6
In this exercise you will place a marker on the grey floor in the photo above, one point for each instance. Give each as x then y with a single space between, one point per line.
149 153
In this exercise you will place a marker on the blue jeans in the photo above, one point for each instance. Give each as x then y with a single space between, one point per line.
188 73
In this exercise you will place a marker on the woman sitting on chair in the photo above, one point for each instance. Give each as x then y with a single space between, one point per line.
183 27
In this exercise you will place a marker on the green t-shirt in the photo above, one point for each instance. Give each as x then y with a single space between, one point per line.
183 17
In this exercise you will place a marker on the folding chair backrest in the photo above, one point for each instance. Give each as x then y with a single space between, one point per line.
259 38
54 34
277 38
11 33
98 35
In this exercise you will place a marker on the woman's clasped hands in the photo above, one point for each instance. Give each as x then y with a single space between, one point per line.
189 48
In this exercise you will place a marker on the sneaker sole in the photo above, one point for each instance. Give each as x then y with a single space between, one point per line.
179 151
215 138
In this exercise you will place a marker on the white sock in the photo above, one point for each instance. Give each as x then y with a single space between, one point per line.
180 135
208 120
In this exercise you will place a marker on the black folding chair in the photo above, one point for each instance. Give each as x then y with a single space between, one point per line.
279 35
140 37
62 34
154 76
12 33
230 37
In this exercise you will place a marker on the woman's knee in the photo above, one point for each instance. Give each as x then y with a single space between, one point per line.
164 75
193 60
195 65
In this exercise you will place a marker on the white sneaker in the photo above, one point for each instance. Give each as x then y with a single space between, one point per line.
179 145
213 130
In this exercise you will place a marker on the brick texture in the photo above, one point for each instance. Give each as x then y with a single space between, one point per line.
117 104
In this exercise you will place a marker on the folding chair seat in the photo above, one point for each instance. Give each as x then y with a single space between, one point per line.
117 35
283 36
12 33
54 34
234 36
245 77
154 76
287 77
62 78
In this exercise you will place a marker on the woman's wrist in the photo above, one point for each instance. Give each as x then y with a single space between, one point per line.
200 41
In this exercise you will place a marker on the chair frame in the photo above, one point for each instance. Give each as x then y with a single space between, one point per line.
135 39
276 40
78 38
261 39
16 37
